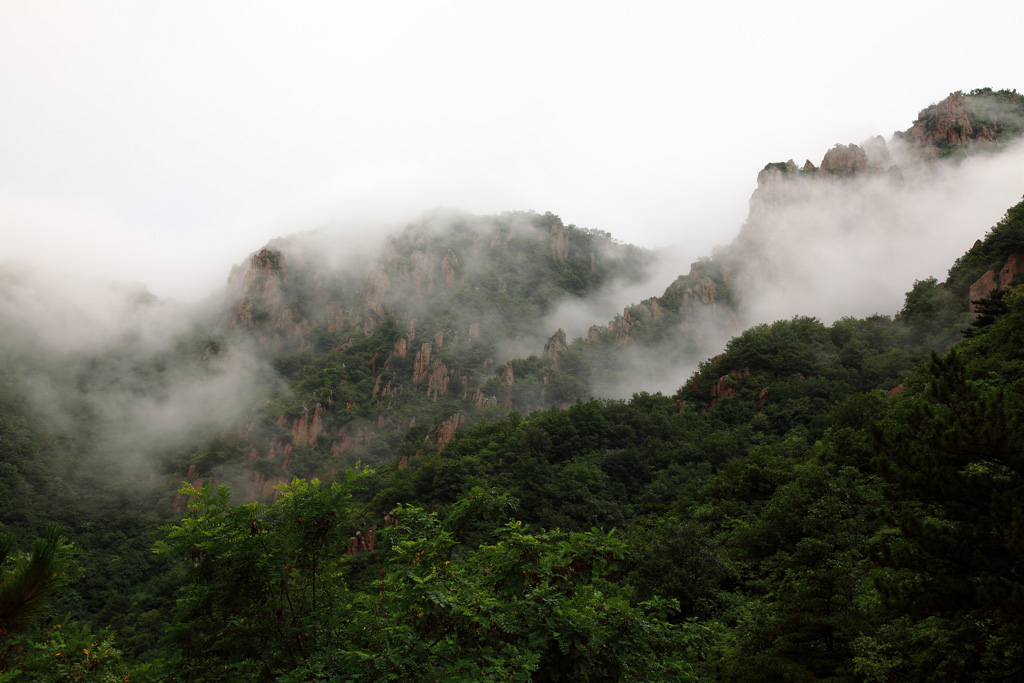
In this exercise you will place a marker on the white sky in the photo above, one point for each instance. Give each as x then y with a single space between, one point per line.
161 142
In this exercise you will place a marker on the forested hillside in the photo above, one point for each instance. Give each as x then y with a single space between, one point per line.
403 468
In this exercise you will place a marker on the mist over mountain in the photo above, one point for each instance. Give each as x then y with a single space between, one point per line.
442 420
329 346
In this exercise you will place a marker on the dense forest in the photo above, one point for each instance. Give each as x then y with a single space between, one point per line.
400 494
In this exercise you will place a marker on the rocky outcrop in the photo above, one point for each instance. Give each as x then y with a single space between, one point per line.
306 428
982 287
260 301
421 364
655 307
992 281
554 347
507 375
1013 267
696 288
727 384
845 160
621 327
377 299
448 265
420 272
363 543
482 401
945 122
877 153
446 430
559 246
437 382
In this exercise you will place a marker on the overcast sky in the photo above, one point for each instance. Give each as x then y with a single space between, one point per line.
161 142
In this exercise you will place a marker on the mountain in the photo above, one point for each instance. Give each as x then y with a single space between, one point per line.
476 361
457 318
326 350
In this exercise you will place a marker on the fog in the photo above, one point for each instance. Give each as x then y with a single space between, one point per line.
124 376
156 142
855 247
148 148
826 247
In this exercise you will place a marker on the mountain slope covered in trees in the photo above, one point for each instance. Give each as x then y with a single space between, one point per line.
818 500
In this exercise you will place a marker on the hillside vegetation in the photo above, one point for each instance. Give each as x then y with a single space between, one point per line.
393 470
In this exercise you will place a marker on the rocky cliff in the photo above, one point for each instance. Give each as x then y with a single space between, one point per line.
995 280
394 355
410 336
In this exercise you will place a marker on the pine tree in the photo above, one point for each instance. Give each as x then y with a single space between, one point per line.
953 456
26 586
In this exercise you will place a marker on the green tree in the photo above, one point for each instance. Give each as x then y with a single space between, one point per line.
952 455
267 600
28 582
264 582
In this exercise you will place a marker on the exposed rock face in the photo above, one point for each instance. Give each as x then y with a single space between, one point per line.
655 307
474 331
362 543
982 287
421 363
992 281
437 383
948 124
508 375
1013 267
481 401
555 347
773 173
446 430
945 122
420 272
377 300
261 303
306 428
260 298
845 159
727 384
703 291
622 327
559 246
448 265
877 153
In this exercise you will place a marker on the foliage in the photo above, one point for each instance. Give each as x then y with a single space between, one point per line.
264 582
267 599
953 456
1004 238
